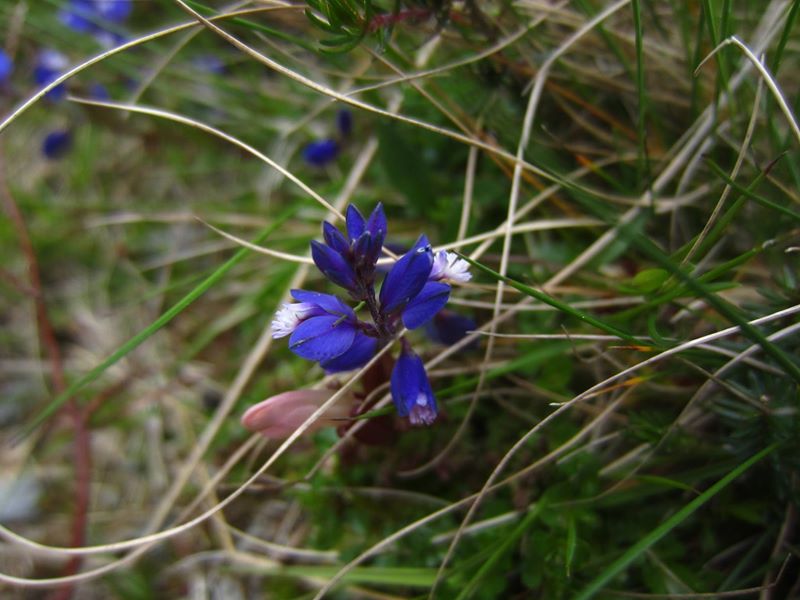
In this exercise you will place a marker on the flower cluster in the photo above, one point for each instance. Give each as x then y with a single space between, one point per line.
325 329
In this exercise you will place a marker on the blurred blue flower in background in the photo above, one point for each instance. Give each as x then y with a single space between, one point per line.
321 152
6 67
57 143
50 64
100 18
97 91
115 11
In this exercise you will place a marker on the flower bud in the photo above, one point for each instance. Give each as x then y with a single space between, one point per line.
279 416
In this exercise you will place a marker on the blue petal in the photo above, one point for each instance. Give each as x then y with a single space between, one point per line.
6 67
426 304
411 390
359 354
333 265
334 238
327 302
377 221
321 152
322 338
407 276
355 223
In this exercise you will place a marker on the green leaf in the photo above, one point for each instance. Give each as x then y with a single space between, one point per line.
649 280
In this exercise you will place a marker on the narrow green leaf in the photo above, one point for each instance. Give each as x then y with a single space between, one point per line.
562 306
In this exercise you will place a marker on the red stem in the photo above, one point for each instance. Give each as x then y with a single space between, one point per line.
47 336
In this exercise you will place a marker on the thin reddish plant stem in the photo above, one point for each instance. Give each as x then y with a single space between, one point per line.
82 445
409 14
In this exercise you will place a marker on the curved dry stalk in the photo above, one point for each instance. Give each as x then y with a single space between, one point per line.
170 116
22 108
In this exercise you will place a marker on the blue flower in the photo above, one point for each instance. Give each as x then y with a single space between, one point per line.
321 152
324 329
6 67
50 65
57 143
411 390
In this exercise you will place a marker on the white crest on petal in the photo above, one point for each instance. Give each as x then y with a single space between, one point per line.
289 317
448 265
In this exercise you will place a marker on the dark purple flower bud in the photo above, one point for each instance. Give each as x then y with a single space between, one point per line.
6 67
377 221
344 121
407 277
411 390
355 223
333 266
322 338
321 152
362 250
56 144
335 239
359 354
426 304
448 327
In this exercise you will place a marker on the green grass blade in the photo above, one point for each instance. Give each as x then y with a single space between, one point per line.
503 548
659 532
148 331
787 28
547 299
643 166
749 194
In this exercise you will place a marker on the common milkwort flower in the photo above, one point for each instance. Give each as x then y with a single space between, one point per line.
323 328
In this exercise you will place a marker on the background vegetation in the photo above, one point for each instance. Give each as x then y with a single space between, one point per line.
623 424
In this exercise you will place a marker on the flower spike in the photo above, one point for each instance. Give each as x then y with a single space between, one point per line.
324 329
